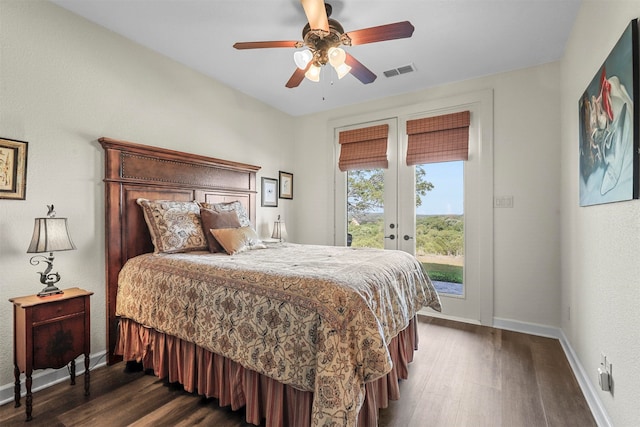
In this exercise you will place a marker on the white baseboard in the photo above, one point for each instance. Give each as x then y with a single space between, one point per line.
432 313
588 389
48 377
527 328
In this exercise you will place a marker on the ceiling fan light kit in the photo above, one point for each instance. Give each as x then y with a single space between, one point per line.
322 37
336 56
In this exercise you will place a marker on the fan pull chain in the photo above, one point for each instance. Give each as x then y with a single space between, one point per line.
324 72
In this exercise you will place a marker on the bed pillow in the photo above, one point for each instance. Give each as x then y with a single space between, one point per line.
230 206
236 240
212 219
174 226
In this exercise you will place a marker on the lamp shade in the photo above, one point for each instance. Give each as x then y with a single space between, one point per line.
279 230
342 70
337 56
302 58
313 73
50 235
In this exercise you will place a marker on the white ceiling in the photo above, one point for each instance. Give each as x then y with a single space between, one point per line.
453 40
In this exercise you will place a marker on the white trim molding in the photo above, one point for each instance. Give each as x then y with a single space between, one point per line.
425 311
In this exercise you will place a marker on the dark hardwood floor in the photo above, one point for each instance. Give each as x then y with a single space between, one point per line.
462 375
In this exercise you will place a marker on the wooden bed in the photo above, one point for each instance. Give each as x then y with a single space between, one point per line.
134 171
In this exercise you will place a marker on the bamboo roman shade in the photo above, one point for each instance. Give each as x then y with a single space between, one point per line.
438 139
364 148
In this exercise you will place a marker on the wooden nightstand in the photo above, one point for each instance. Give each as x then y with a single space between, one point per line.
50 332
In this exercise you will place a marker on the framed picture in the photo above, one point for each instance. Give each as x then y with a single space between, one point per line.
286 185
608 126
13 169
269 192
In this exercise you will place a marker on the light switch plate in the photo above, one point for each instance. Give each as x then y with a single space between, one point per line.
503 202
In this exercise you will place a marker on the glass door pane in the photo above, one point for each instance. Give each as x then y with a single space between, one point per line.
371 202
365 208
440 225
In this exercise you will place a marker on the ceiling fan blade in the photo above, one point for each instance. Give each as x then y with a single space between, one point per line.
397 30
262 45
297 77
359 71
316 14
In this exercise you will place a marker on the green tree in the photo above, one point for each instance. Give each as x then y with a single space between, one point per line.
365 191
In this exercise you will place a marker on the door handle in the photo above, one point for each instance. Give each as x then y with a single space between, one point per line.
407 237
391 236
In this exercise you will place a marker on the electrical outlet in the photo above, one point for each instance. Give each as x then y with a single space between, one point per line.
605 379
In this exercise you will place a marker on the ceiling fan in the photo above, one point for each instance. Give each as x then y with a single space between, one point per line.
322 36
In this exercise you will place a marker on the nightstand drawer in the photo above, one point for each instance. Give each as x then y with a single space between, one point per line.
53 310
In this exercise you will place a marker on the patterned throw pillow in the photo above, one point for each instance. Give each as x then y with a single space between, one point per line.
212 219
230 206
174 226
236 240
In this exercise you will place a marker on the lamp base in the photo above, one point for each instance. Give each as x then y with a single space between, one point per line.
49 290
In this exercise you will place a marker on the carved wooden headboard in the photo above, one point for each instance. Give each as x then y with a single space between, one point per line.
133 171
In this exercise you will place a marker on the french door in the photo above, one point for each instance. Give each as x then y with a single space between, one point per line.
390 222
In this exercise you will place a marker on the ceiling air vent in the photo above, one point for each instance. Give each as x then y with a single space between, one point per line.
400 70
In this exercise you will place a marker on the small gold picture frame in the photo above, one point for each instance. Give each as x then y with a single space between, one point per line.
286 185
13 169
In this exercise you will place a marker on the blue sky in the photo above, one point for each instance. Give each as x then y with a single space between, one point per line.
447 196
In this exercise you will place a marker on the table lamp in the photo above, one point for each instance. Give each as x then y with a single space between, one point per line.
50 234
279 230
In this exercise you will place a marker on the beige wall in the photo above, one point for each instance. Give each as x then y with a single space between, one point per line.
526 166
600 244
64 82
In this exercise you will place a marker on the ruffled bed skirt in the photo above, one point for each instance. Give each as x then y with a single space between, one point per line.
205 373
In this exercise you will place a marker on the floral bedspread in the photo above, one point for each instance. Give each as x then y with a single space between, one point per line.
316 317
